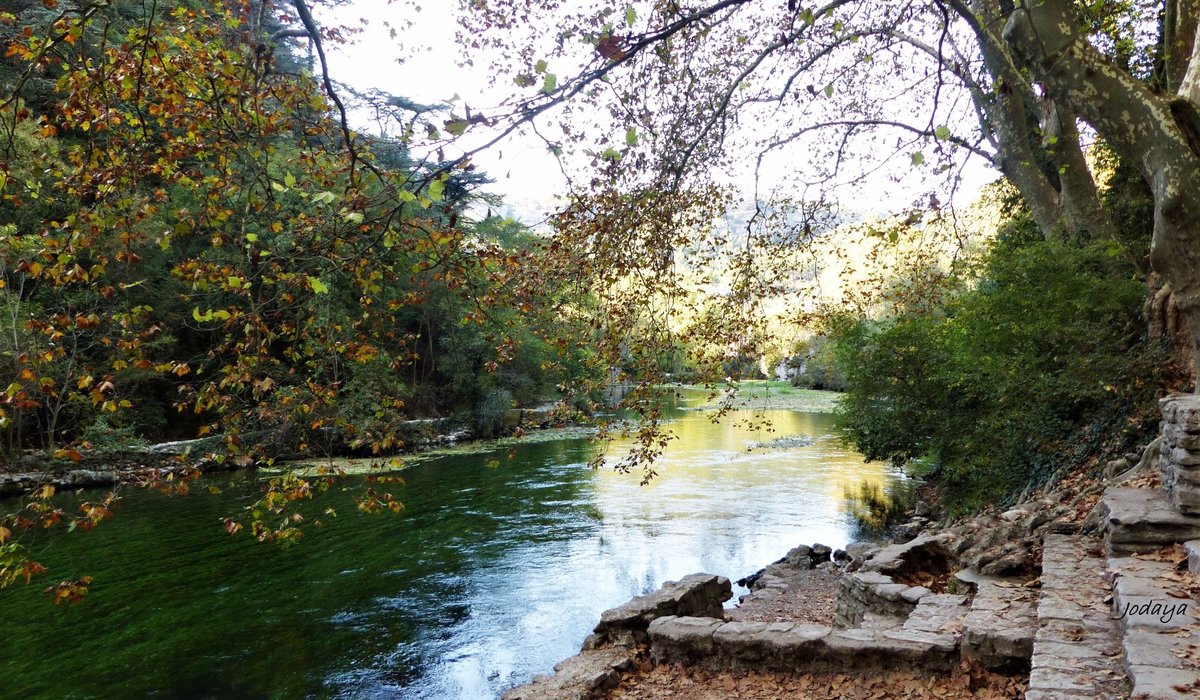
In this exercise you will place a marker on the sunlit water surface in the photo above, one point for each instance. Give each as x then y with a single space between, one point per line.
489 575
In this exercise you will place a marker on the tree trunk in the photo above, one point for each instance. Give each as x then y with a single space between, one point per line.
1156 133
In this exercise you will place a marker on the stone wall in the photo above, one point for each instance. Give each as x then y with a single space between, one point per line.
695 595
875 589
1180 460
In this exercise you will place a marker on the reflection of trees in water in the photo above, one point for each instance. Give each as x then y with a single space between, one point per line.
875 508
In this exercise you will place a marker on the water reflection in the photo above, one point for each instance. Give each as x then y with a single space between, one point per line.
488 576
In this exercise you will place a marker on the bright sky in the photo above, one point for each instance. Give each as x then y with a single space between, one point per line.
421 64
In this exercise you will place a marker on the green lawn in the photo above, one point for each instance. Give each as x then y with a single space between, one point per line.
761 395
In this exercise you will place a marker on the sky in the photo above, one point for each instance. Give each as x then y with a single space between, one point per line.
421 64
424 69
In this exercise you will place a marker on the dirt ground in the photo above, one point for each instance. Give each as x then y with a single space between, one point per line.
810 597
656 682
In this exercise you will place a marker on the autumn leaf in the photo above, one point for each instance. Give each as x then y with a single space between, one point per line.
610 47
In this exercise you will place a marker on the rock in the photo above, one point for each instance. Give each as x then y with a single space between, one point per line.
674 638
578 678
840 556
768 581
1182 411
1192 547
860 553
800 557
1013 515
915 594
80 478
820 553
928 553
696 595
1142 520
1012 563
861 550
890 591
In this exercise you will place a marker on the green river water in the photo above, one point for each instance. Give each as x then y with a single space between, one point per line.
488 576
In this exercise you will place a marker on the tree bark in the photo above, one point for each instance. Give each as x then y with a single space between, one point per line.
1139 124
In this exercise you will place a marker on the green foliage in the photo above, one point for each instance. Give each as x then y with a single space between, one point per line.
325 295
490 413
104 436
1047 346
813 366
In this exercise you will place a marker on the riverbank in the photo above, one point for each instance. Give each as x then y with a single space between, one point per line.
1028 599
109 467
422 438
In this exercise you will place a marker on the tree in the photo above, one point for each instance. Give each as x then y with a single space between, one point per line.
861 86
188 222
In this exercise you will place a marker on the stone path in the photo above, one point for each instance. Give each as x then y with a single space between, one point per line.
937 620
785 646
999 630
1161 640
612 648
1077 650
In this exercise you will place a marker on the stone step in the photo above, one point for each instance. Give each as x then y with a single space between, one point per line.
786 646
1161 642
999 629
937 620
611 648
697 595
1077 649
1143 520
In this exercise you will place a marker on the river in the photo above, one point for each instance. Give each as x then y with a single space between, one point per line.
489 575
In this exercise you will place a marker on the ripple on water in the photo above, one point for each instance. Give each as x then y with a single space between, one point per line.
487 577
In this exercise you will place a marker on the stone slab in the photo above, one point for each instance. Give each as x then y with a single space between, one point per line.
1161 644
696 595
1182 411
1143 520
1155 683
998 630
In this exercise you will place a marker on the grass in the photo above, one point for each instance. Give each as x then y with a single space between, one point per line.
772 395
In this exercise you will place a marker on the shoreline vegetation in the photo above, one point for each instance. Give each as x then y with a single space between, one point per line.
431 438
759 395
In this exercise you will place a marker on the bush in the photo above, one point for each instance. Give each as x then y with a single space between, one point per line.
813 366
489 414
995 385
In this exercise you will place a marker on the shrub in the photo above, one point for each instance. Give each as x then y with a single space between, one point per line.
1049 344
